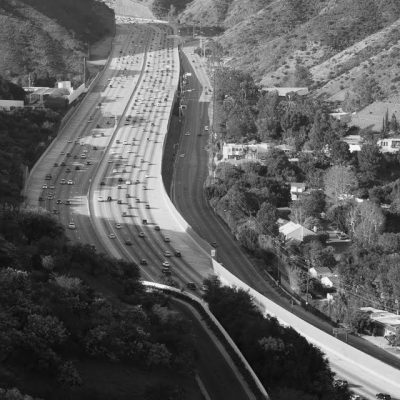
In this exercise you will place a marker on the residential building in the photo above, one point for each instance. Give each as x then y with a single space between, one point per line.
296 189
249 152
387 323
355 142
287 91
8 105
239 152
293 231
389 145
325 275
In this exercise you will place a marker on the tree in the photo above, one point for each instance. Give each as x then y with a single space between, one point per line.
279 166
365 222
247 234
267 217
268 121
302 75
339 152
370 161
339 182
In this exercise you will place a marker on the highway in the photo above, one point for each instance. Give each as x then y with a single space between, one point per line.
102 175
188 196
105 170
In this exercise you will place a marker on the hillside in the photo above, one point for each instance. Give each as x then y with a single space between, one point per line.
48 38
305 42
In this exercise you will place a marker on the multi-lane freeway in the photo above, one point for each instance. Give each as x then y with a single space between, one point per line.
102 176
106 165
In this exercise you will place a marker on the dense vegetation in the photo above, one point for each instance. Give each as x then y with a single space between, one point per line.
24 134
57 332
49 38
247 195
288 366
69 313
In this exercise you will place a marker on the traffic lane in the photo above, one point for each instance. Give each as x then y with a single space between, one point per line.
216 373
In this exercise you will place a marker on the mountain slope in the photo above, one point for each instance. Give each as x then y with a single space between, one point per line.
327 39
49 38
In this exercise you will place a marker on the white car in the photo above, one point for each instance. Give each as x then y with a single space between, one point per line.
112 236
71 225
206 128
167 253
70 182
166 264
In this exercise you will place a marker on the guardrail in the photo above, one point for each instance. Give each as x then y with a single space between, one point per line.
244 367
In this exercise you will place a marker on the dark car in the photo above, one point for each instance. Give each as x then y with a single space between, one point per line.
177 253
383 396
191 285
143 261
128 242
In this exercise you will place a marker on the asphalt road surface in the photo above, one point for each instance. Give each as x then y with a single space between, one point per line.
188 196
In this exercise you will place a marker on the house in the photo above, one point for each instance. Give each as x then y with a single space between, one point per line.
293 231
296 189
8 105
355 142
387 323
389 145
325 276
287 91
252 151
233 152
341 116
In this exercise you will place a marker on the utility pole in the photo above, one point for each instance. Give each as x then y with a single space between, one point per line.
84 71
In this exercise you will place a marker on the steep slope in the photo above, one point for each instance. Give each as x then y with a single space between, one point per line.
49 38
306 42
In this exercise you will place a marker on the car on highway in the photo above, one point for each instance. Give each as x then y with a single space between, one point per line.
63 181
157 228
148 206
102 183
71 225
167 239
214 244
119 201
166 271
191 286
118 226
70 182
143 261
55 164
128 242
68 170
44 186
166 264
59 201
48 177
141 234
167 253
112 235
177 253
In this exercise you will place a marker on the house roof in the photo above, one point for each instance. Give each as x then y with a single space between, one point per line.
325 271
283 91
295 231
382 316
298 184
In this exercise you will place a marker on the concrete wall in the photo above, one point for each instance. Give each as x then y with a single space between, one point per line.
342 356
